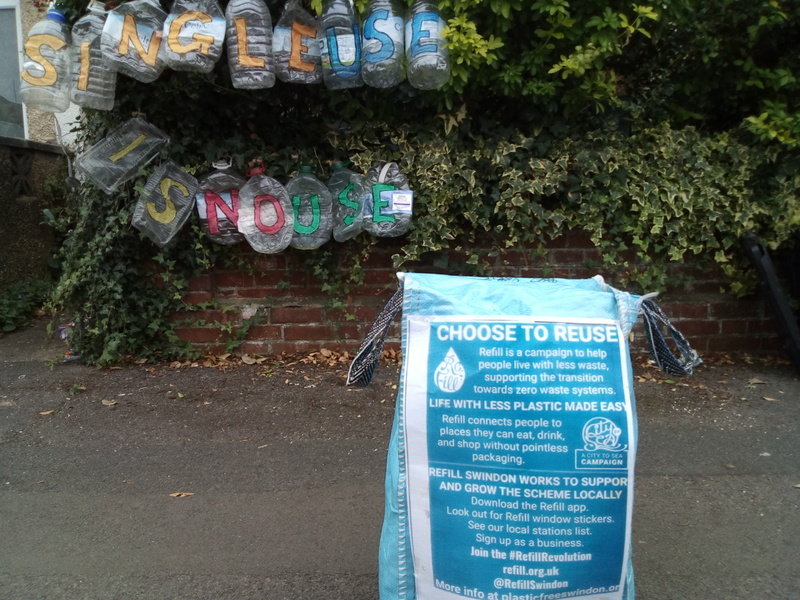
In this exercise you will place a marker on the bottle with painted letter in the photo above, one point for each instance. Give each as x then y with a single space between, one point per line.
311 203
218 204
347 193
249 39
340 45
94 82
266 216
46 66
193 35
132 38
390 201
295 46
427 56
383 44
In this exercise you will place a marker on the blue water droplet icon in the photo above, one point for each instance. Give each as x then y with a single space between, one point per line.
450 374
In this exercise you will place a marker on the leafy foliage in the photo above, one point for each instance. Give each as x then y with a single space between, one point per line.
663 130
21 301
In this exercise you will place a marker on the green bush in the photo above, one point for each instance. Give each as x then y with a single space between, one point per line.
20 302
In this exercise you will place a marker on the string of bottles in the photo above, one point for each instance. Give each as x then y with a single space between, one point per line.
139 39
304 214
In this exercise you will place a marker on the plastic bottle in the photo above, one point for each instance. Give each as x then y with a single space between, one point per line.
340 45
389 205
218 204
249 35
295 46
193 35
46 66
311 201
165 204
93 82
266 216
132 37
347 193
383 45
428 59
120 155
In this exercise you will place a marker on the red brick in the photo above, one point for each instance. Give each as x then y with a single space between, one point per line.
270 262
536 272
380 276
676 309
566 256
249 292
198 297
696 327
735 308
200 283
732 327
761 327
358 312
578 239
307 332
234 279
296 314
350 331
198 334
264 332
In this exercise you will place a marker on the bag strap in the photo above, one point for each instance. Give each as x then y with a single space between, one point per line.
369 353
665 359
366 360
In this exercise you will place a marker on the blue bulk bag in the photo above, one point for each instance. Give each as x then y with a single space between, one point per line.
510 464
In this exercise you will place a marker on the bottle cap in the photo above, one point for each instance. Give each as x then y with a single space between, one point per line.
256 167
55 15
222 163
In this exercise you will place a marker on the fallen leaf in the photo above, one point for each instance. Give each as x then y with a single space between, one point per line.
109 402
797 486
180 395
47 412
755 381
182 494
248 360
768 399
325 352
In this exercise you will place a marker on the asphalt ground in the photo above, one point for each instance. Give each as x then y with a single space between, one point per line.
223 480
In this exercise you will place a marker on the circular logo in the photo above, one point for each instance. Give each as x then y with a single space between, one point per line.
600 433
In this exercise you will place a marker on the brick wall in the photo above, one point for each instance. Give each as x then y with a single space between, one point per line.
294 314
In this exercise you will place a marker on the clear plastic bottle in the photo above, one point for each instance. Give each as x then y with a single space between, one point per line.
120 155
193 35
340 45
428 59
266 216
249 38
347 193
383 45
389 205
295 46
218 204
313 218
165 204
132 37
93 82
46 66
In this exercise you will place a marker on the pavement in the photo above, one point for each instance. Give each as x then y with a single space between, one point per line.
221 480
